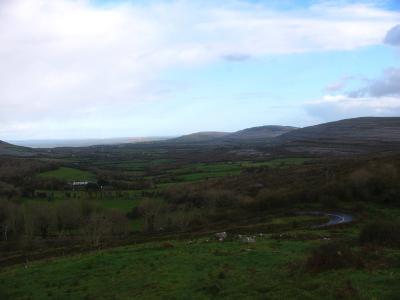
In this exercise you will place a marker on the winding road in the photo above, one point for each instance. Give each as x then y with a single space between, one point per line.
334 218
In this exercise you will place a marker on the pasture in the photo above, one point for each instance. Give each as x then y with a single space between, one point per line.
195 269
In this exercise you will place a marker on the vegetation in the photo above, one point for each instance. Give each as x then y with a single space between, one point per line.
196 270
382 233
163 206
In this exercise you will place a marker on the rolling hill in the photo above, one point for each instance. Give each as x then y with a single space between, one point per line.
259 133
12 150
199 137
350 135
250 135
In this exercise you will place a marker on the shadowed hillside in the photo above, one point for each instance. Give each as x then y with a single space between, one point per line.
346 136
199 137
259 133
9 149
250 135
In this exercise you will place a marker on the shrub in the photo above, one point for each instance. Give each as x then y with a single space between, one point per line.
8 191
119 223
329 201
271 199
220 198
332 256
135 213
39 218
151 209
183 220
383 233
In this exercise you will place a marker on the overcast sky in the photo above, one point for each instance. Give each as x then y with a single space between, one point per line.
80 69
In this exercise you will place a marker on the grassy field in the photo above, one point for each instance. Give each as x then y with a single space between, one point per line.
132 165
129 200
124 205
68 174
201 269
201 171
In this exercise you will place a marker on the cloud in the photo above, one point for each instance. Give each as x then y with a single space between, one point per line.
339 85
378 97
393 36
331 107
387 85
236 57
73 66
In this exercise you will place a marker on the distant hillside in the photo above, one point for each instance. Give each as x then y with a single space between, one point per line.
53 143
350 135
9 149
199 137
259 133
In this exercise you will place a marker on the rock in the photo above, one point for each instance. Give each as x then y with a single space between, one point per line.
248 239
221 236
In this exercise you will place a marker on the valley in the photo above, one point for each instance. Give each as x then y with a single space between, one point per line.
127 215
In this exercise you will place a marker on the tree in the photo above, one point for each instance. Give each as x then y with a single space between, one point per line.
10 218
150 209
69 216
119 223
39 219
7 191
96 227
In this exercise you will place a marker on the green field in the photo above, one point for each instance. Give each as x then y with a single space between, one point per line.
201 171
124 203
280 162
68 174
268 269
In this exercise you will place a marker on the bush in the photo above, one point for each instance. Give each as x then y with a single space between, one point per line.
221 198
135 213
151 209
271 199
329 201
8 191
332 256
39 218
383 233
183 220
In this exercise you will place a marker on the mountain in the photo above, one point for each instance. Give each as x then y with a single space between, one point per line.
9 149
199 137
356 135
259 133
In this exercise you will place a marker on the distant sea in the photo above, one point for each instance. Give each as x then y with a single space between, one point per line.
53 143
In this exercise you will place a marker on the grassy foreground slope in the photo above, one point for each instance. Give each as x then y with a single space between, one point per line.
201 269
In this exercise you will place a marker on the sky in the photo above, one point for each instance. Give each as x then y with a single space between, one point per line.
75 69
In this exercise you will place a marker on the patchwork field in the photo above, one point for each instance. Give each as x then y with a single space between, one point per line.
149 232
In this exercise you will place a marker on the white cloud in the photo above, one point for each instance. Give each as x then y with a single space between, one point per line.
339 85
66 62
378 97
393 36
330 107
387 85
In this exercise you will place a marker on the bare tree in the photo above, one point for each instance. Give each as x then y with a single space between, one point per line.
150 209
96 228
39 218
10 218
